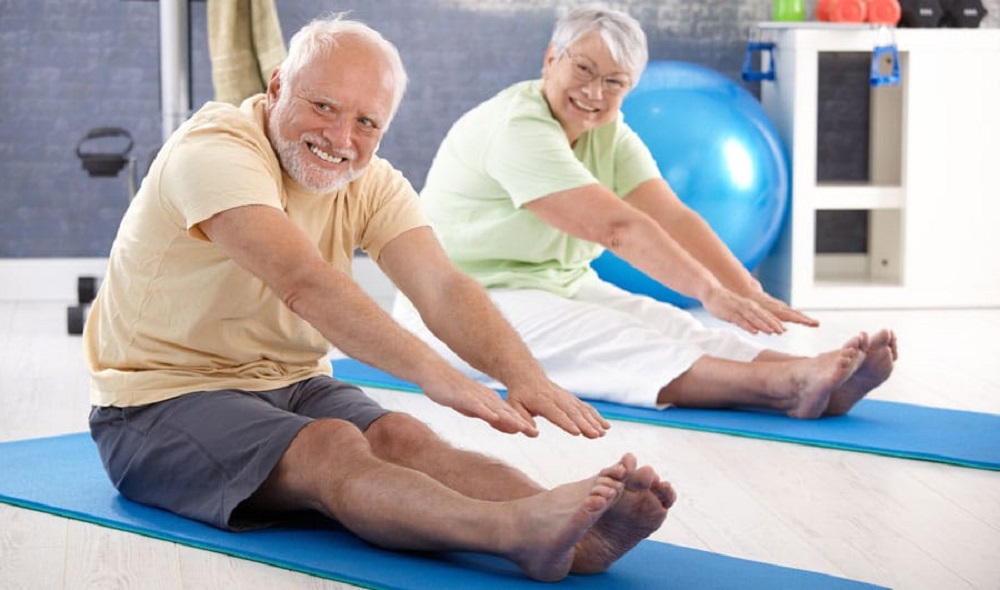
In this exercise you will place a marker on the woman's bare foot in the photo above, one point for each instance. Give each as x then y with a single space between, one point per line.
546 527
813 381
640 511
880 357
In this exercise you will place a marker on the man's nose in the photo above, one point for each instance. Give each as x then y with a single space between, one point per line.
338 132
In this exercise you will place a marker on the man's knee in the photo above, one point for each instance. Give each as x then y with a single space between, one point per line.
330 433
337 444
395 436
324 453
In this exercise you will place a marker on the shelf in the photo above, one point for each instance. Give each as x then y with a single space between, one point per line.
834 37
851 270
847 195
931 196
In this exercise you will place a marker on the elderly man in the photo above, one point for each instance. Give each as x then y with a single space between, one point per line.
229 280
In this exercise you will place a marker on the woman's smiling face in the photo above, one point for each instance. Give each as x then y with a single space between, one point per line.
584 86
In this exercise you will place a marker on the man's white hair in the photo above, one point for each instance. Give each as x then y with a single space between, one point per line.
323 33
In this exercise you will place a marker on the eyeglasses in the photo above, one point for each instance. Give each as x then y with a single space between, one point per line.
585 71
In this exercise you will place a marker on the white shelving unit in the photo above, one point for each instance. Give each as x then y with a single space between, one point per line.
933 195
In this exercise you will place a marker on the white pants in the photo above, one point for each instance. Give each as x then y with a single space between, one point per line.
603 344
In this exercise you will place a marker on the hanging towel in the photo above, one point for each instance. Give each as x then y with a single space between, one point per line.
245 44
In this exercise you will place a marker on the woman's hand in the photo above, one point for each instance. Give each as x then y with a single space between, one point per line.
782 311
742 311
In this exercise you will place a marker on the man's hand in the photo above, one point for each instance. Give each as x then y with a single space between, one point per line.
558 406
450 302
524 402
475 400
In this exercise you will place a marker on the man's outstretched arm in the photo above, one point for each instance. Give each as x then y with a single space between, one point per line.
460 313
264 241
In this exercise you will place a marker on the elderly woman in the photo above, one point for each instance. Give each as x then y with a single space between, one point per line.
531 185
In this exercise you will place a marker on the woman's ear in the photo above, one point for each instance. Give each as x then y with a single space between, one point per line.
548 60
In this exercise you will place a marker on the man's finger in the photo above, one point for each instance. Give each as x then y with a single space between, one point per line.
585 419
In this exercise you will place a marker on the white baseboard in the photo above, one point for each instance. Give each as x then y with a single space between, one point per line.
54 279
46 279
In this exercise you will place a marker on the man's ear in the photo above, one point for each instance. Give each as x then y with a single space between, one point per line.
274 86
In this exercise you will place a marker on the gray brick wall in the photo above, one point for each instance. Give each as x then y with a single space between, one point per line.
67 66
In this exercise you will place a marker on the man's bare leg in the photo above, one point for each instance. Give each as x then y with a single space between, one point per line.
404 440
641 511
330 467
800 387
642 508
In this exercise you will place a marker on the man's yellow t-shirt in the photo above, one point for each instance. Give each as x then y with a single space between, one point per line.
175 314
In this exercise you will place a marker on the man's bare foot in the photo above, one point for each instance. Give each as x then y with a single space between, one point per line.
814 380
880 357
546 527
640 511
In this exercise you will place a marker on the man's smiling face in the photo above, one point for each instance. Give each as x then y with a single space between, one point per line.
326 122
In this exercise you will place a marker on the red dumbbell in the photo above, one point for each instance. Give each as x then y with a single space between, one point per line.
842 11
884 12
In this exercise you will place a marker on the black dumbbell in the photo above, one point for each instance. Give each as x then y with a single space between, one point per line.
76 315
86 289
917 14
962 14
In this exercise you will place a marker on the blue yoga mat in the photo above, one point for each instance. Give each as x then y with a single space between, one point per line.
63 475
968 439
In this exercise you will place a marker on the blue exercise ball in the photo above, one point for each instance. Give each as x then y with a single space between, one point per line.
715 145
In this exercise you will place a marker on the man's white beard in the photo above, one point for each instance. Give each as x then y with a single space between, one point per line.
294 162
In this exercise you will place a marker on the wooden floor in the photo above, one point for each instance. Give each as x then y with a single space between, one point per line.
894 522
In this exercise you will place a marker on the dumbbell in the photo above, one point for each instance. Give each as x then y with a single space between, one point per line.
884 12
842 11
929 14
76 315
925 14
858 11
963 14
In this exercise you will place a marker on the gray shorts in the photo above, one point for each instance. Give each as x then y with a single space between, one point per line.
201 454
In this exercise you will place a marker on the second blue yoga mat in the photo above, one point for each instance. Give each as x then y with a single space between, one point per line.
63 475
968 439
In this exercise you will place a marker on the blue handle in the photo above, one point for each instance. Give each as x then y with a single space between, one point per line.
749 74
890 54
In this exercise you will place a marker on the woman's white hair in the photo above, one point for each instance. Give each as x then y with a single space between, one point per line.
323 33
620 32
